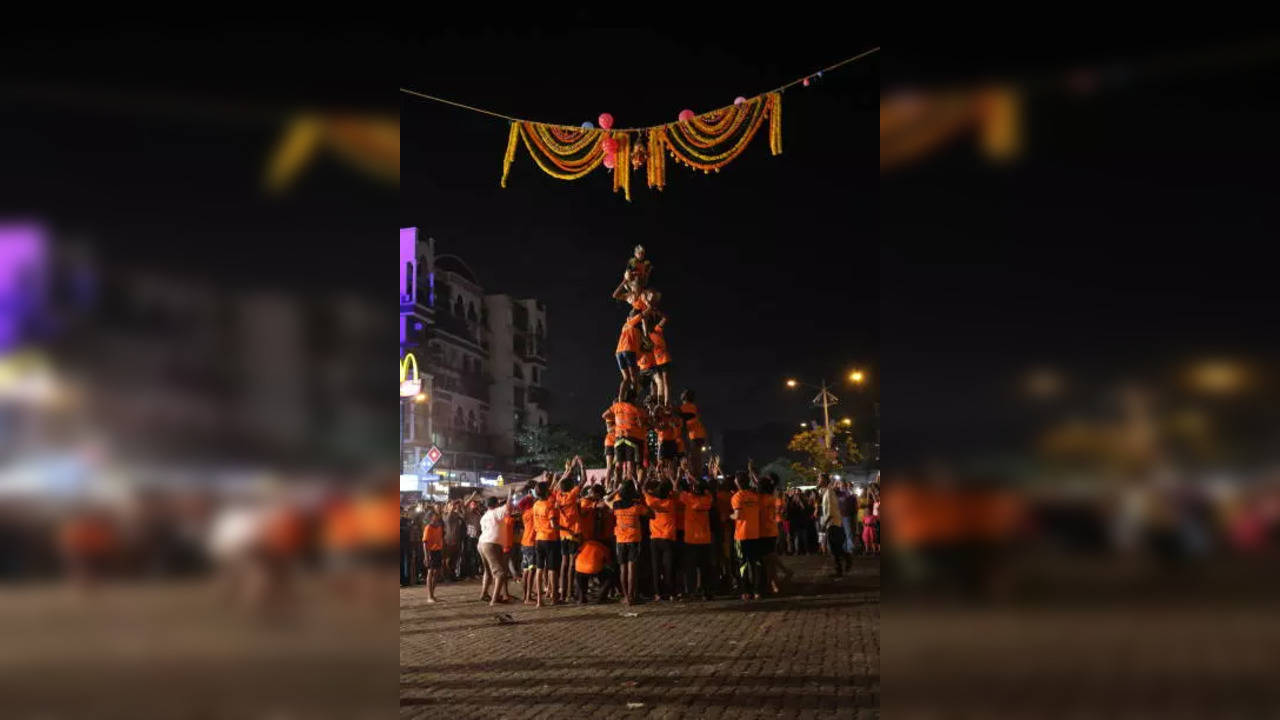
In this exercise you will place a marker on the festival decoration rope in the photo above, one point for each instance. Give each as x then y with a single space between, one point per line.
706 141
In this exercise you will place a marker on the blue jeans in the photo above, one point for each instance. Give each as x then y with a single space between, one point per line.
848 535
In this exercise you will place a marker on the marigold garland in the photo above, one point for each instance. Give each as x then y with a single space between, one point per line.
708 142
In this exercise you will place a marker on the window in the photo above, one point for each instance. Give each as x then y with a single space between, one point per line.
458 307
471 312
535 375
516 372
408 279
519 397
458 420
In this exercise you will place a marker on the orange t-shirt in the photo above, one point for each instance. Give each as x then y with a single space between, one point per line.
567 512
629 339
645 361
663 524
626 421
433 537
747 505
697 518
587 519
659 340
768 515
694 424
544 519
591 558
608 434
527 538
627 527
506 531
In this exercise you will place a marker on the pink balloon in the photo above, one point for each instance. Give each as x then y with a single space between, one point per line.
739 100
686 115
610 145
610 161
806 82
606 120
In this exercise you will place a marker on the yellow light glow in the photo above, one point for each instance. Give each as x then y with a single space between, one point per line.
420 397
791 383
856 376
846 421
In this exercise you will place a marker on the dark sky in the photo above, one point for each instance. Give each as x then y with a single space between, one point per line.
768 268
1135 234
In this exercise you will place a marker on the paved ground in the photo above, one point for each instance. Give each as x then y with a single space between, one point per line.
813 653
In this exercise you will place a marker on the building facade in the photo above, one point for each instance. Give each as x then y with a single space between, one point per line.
483 356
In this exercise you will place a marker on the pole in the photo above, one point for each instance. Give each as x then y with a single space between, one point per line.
826 418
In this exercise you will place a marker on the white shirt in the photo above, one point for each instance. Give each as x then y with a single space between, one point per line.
490 524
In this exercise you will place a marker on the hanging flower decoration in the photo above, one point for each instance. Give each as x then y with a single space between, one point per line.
705 142
712 140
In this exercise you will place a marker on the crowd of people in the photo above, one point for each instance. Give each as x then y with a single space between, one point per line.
663 524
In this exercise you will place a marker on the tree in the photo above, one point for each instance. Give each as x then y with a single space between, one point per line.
548 446
816 457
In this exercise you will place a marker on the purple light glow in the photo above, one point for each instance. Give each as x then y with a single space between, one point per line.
22 266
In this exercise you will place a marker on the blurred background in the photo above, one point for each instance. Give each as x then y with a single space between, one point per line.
197 475
1082 476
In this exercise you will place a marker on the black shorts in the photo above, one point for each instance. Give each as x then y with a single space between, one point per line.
625 451
663 368
548 554
435 559
568 547
628 552
625 360
529 556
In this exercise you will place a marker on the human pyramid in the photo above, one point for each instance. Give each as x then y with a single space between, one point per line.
662 518
662 524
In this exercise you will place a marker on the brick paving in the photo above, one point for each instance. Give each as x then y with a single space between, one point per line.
812 653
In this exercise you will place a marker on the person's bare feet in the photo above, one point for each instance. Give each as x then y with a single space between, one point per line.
431 601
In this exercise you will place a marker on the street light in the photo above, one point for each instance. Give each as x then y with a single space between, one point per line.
856 376
825 398
846 422
420 398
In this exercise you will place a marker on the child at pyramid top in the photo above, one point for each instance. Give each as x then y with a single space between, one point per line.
639 268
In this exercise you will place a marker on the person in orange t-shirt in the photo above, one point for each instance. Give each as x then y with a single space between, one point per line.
567 515
668 428
433 551
697 432
628 350
697 535
746 531
661 360
528 547
662 538
608 443
547 535
767 545
628 514
628 424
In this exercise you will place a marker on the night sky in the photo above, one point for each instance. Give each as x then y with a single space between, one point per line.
1135 234
768 269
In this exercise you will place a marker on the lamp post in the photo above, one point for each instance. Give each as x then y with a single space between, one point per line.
826 400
